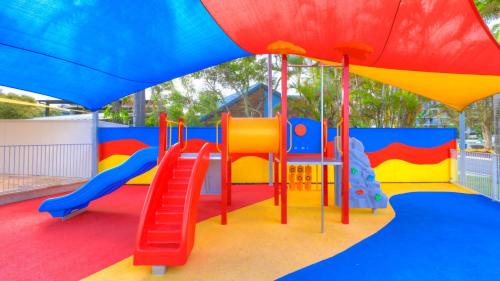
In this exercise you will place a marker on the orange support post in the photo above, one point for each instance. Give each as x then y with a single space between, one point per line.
162 144
180 135
284 127
345 141
224 163
229 180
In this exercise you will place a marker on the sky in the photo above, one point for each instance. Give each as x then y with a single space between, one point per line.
198 85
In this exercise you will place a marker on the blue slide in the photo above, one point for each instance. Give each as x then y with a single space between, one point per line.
102 184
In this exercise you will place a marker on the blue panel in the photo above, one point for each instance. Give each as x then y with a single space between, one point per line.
372 138
149 135
377 138
311 141
94 52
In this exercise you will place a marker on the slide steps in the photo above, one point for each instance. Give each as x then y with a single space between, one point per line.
166 230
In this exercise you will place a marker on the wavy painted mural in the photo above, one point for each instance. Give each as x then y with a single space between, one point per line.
397 155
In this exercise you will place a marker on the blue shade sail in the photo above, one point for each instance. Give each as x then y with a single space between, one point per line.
94 52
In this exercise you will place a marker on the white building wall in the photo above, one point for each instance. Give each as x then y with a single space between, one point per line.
14 132
60 148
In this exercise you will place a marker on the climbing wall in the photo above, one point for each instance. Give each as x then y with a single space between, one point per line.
364 191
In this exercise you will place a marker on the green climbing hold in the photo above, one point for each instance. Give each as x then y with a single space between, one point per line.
354 170
378 197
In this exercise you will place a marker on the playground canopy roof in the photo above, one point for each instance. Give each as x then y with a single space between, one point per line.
94 52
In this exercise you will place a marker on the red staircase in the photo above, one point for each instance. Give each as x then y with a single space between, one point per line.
168 219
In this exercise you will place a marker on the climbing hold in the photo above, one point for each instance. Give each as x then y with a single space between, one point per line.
378 197
300 169
370 178
354 170
360 192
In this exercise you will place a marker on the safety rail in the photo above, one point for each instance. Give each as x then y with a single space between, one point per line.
29 167
192 196
477 171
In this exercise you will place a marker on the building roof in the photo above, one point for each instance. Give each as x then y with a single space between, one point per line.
236 97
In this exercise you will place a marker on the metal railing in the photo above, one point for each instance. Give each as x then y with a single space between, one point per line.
28 167
477 171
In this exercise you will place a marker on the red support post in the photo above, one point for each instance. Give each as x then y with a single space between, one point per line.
276 174
283 147
162 144
224 163
345 141
325 167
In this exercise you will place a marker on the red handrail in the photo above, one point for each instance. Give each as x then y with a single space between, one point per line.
164 171
192 196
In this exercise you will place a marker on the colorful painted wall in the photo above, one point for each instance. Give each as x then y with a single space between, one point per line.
397 155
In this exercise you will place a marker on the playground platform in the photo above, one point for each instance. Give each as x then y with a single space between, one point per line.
98 244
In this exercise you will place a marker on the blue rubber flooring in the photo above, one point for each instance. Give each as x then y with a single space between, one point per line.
434 236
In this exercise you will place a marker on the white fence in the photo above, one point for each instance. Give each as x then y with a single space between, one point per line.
477 171
28 167
40 153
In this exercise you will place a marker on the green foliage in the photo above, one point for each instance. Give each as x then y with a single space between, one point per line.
375 104
207 103
237 75
489 9
13 111
190 106
495 29
116 113
479 117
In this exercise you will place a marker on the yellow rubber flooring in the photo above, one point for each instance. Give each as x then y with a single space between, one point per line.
255 246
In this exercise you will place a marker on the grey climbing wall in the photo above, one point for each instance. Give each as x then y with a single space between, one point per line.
364 191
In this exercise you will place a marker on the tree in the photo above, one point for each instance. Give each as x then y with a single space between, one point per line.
13 111
116 112
378 105
479 117
490 10
237 75
206 103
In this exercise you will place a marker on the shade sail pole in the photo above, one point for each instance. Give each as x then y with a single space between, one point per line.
283 146
270 108
345 140
322 153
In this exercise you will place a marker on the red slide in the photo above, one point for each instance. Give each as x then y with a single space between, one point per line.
168 219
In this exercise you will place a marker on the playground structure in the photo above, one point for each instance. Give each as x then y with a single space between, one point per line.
166 230
167 226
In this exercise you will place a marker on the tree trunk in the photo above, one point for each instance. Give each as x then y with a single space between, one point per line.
496 121
486 136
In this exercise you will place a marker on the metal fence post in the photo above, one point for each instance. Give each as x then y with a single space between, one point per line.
94 157
462 162
494 176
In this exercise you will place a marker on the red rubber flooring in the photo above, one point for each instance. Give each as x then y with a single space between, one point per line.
34 246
